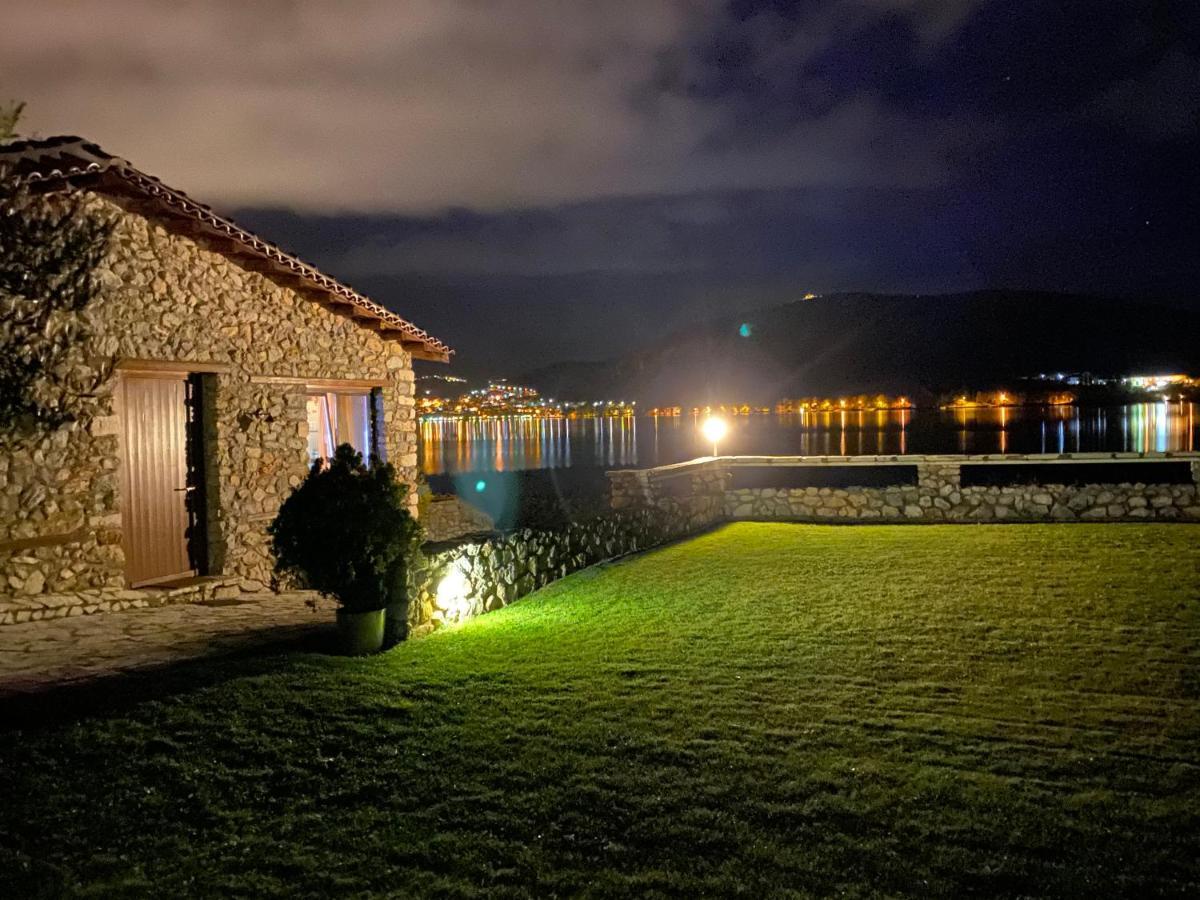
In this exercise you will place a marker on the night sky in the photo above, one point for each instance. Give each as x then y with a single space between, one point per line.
537 181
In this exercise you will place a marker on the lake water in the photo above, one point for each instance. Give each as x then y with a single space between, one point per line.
451 446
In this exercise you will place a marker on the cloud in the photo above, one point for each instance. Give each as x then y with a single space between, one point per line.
1160 104
623 237
415 107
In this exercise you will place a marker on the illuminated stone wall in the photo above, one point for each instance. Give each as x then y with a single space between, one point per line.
939 496
1012 503
652 506
166 297
457 582
477 575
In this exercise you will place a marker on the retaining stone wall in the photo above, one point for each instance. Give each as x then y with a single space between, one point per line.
448 517
1024 503
938 496
654 506
498 570
694 498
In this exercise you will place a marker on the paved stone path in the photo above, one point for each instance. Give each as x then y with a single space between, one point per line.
36 656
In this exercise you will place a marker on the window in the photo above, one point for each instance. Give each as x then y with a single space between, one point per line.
337 417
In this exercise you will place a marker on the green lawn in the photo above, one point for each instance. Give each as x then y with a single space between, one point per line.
765 709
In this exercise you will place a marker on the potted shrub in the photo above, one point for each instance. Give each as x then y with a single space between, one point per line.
346 532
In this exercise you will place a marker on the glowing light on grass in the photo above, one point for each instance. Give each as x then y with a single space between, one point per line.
480 486
746 329
713 429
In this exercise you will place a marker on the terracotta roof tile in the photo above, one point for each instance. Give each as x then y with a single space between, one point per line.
78 161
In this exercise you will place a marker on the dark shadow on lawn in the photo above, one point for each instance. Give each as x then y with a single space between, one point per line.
115 693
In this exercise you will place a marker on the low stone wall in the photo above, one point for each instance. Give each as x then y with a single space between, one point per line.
102 600
938 495
693 495
1023 503
462 580
448 517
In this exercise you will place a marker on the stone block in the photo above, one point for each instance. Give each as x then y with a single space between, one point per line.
104 425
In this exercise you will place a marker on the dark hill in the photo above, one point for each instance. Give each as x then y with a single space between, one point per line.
867 343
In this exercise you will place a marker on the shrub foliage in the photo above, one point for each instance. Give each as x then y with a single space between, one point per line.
50 247
346 532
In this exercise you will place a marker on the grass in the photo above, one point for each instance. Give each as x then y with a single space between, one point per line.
766 709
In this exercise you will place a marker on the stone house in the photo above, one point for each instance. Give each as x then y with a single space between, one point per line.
226 365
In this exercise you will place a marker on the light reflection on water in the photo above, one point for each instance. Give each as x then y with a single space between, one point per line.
520 442
509 443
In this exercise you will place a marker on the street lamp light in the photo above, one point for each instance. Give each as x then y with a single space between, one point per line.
714 429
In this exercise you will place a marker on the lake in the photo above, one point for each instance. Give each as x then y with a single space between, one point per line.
509 444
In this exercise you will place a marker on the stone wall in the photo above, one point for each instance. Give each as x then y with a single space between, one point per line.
34 607
458 581
651 506
448 516
938 496
165 297
1025 503
692 495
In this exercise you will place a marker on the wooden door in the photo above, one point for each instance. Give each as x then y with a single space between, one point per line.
154 514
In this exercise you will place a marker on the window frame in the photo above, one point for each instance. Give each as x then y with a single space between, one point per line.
373 394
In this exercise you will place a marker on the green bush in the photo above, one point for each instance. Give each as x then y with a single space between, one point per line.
346 532
50 249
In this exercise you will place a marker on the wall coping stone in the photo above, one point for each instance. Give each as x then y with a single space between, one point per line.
910 459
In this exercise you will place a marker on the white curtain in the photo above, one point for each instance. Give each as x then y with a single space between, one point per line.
335 419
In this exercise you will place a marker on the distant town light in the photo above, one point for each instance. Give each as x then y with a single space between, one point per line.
713 429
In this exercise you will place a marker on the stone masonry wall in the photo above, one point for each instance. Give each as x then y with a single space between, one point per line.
693 498
1034 503
166 297
940 497
491 573
448 517
652 506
